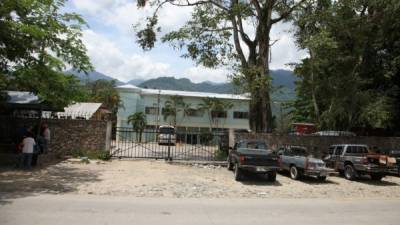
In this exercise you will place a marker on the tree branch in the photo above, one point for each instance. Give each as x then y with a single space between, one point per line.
188 3
237 42
256 6
287 13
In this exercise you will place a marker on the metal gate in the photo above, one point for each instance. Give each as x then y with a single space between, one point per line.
198 146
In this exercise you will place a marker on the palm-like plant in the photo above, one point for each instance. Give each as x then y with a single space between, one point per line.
138 122
213 106
172 107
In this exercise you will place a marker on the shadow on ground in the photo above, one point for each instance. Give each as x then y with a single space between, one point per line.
51 178
367 180
310 180
259 180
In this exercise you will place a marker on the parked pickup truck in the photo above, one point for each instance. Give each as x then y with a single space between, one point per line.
299 162
252 156
395 153
354 160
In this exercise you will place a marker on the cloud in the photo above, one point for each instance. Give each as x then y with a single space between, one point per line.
110 60
111 53
200 73
124 14
284 51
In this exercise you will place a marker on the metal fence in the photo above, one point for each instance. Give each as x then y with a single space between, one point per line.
197 146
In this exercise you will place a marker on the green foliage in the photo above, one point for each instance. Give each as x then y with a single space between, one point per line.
38 41
218 33
90 154
138 122
213 106
104 91
220 155
351 77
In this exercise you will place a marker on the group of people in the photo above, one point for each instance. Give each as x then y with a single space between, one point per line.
30 143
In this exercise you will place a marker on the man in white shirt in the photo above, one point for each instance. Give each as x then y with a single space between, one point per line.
28 144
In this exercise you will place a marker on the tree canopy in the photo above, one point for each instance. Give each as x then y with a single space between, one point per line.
234 33
37 42
351 77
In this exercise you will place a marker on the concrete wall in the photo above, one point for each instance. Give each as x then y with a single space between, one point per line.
320 144
66 135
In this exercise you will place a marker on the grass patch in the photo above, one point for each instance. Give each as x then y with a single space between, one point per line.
90 154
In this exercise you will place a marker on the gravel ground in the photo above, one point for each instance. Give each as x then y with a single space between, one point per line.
151 178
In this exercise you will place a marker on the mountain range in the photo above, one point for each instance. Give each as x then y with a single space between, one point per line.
284 79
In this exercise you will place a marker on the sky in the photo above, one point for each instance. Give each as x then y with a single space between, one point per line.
112 48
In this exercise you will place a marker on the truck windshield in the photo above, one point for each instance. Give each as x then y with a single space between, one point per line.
167 130
299 151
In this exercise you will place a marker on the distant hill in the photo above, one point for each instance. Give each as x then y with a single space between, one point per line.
184 84
136 82
91 76
284 79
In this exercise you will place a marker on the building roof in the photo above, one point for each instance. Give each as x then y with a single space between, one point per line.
24 100
146 91
80 109
22 97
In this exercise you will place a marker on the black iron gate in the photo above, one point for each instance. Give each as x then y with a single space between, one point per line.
198 146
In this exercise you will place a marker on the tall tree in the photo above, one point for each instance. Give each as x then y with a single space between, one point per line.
219 33
104 91
350 78
37 42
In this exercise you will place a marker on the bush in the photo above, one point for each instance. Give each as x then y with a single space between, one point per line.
220 155
99 154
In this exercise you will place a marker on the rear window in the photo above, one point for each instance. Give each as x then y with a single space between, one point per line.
253 145
356 150
339 150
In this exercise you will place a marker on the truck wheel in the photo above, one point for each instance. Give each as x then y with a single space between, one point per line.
321 178
294 173
271 176
230 165
349 172
238 173
376 177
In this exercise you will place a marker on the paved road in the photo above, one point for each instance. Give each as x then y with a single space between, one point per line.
96 210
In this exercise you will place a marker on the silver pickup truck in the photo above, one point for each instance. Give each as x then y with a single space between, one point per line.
354 160
299 162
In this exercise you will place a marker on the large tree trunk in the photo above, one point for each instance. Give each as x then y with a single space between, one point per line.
263 90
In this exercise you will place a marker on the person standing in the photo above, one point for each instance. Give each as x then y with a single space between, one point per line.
28 145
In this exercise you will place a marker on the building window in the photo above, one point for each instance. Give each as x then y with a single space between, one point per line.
194 113
151 110
241 115
218 114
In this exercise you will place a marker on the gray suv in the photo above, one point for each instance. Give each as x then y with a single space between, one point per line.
353 160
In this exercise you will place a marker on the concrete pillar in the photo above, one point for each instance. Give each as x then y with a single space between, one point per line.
231 137
108 136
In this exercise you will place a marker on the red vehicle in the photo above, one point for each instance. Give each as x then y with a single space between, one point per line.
303 128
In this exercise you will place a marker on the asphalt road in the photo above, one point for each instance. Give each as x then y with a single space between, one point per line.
96 210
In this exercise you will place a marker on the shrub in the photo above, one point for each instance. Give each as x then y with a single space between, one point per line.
99 154
220 155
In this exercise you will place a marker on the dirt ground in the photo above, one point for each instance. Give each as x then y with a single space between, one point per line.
151 178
